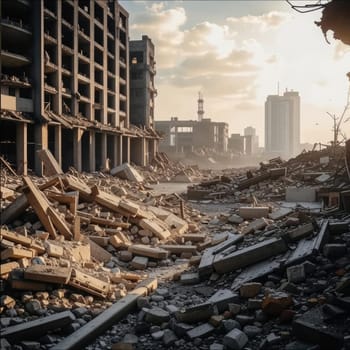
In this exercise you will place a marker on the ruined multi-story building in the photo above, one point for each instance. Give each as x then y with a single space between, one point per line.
65 85
142 88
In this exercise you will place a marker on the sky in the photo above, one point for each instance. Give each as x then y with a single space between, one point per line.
236 53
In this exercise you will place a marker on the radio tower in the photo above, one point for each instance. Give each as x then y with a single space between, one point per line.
200 107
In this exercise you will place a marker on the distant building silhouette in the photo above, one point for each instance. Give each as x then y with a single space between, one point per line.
251 140
282 124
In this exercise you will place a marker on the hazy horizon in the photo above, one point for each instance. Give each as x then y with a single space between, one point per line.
237 53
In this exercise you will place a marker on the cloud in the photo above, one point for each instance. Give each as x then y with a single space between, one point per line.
265 21
209 37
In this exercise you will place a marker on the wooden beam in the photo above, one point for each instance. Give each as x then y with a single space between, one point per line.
40 205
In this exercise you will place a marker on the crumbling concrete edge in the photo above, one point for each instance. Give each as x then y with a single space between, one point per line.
106 319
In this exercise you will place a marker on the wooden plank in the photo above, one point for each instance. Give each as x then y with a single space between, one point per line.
154 228
51 166
106 200
106 319
104 222
101 241
16 253
89 284
76 228
17 281
194 237
37 328
14 210
178 249
144 250
8 267
20 204
40 205
16 237
98 253
59 223
49 274
129 206
75 184
66 198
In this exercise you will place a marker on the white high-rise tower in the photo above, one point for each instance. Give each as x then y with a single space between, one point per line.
282 124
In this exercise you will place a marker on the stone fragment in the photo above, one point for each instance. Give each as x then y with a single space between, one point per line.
334 250
139 262
275 302
310 328
235 340
296 273
200 331
169 337
156 315
250 290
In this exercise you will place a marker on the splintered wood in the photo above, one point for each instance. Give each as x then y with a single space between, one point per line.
84 224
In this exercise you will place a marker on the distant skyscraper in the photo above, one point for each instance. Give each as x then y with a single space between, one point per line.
251 140
282 124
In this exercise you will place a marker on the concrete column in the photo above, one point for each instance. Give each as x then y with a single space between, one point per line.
92 154
77 161
144 152
119 150
75 108
58 144
21 148
114 161
103 150
41 142
126 149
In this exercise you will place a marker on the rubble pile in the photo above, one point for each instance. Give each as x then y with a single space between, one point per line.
162 169
323 172
266 274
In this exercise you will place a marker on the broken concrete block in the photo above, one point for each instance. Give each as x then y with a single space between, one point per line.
53 250
235 339
249 256
156 315
274 303
222 298
201 331
301 232
126 172
300 194
147 251
334 250
36 328
206 265
253 212
139 262
250 290
176 224
310 327
296 273
189 278
50 274
257 224
196 313
156 229
280 213
235 219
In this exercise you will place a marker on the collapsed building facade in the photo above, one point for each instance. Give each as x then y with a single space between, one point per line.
65 86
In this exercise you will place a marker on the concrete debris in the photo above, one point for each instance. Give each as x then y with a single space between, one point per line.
78 250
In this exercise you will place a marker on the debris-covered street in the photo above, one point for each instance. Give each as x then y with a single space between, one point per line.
102 262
